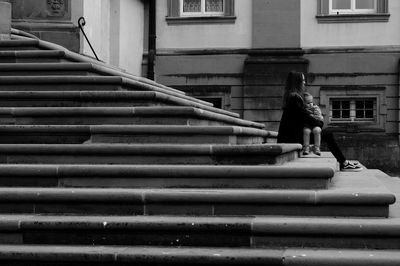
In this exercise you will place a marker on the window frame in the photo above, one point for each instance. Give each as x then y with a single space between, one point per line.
203 12
353 110
325 16
353 9
206 93
174 15
351 92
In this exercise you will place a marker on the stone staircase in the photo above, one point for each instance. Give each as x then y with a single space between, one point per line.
98 167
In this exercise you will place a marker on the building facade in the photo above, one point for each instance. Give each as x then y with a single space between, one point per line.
237 53
239 58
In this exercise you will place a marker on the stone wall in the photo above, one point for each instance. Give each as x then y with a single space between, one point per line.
5 20
48 19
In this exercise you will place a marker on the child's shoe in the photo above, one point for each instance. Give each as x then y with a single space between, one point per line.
306 150
317 150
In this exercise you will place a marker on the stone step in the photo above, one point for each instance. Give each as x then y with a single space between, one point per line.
55 86
94 98
33 56
154 115
12 45
344 202
197 154
166 176
88 99
63 134
46 69
270 232
51 255
102 67
78 83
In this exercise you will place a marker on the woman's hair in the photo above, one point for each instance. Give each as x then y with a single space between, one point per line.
294 85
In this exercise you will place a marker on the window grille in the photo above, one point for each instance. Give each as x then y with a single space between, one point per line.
202 7
352 110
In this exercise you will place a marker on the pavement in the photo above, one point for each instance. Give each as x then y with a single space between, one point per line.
393 185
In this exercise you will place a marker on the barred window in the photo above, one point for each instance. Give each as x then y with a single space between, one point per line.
200 11
202 7
352 110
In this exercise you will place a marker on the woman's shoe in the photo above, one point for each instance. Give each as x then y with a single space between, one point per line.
350 167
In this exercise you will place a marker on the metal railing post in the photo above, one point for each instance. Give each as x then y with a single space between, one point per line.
81 23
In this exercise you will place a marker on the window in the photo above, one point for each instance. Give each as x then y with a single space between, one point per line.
350 107
353 110
202 7
352 6
347 11
218 102
218 95
200 11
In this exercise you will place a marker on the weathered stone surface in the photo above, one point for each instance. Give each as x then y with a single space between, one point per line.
5 21
170 205
148 154
332 257
31 56
335 233
64 134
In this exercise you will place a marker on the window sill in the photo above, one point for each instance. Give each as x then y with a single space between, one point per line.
200 20
353 18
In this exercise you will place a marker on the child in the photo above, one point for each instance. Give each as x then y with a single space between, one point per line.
316 128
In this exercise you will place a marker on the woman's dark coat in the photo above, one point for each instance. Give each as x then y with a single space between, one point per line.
293 119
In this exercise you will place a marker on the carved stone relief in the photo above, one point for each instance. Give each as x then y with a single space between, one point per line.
56 7
41 9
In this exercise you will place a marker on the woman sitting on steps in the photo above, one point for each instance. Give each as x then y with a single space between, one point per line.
295 117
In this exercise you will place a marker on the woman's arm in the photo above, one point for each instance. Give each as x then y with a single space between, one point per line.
296 103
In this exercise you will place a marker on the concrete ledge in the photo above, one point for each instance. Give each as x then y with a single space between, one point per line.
206 171
134 84
165 176
154 129
71 56
136 223
153 111
81 98
205 231
325 226
45 81
74 134
139 129
206 202
327 233
144 149
131 230
93 255
35 54
342 257
125 78
5 67
19 43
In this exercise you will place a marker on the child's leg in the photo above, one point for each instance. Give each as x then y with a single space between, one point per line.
306 140
317 136
317 140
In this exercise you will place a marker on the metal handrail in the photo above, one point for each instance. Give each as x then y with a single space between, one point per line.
81 23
